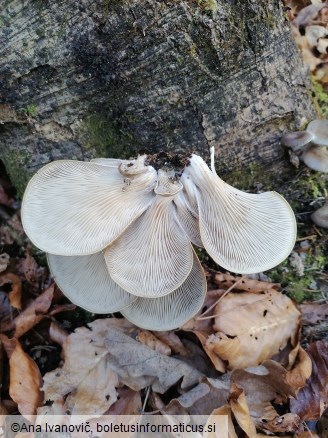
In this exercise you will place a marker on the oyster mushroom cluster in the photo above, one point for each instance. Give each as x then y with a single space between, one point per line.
311 144
119 235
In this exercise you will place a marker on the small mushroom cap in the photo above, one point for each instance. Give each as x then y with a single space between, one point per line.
133 167
172 310
296 140
86 282
320 216
316 158
78 208
319 129
244 233
153 257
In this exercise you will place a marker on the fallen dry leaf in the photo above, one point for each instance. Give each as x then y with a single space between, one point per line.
314 313
301 371
95 393
109 357
128 403
203 328
225 281
215 359
202 399
173 341
4 261
205 325
312 400
87 385
25 378
15 295
34 313
239 408
226 410
57 334
67 307
307 14
262 385
266 322
138 366
30 269
147 338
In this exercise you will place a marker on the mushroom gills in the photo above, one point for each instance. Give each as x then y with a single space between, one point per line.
173 310
78 208
244 233
188 221
86 282
153 257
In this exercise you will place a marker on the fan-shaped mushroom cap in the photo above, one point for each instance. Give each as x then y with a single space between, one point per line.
296 140
319 129
86 282
188 221
153 256
190 191
320 216
316 158
78 208
244 233
172 310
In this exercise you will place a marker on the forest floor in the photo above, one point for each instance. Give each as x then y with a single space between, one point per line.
57 358
43 335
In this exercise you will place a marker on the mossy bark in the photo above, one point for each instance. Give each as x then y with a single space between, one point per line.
110 78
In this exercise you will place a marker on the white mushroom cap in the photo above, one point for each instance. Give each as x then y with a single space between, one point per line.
78 208
153 257
172 310
86 282
316 158
320 216
297 140
133 167
244 233
190 191
188 221
319 129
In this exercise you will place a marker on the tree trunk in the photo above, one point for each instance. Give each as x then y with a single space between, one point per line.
85 78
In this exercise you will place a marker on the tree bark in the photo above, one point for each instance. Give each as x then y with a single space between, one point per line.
85 78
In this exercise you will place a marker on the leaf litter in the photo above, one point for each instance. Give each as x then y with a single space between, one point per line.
240 356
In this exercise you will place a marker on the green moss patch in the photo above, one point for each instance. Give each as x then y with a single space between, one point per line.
106 137
15 163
